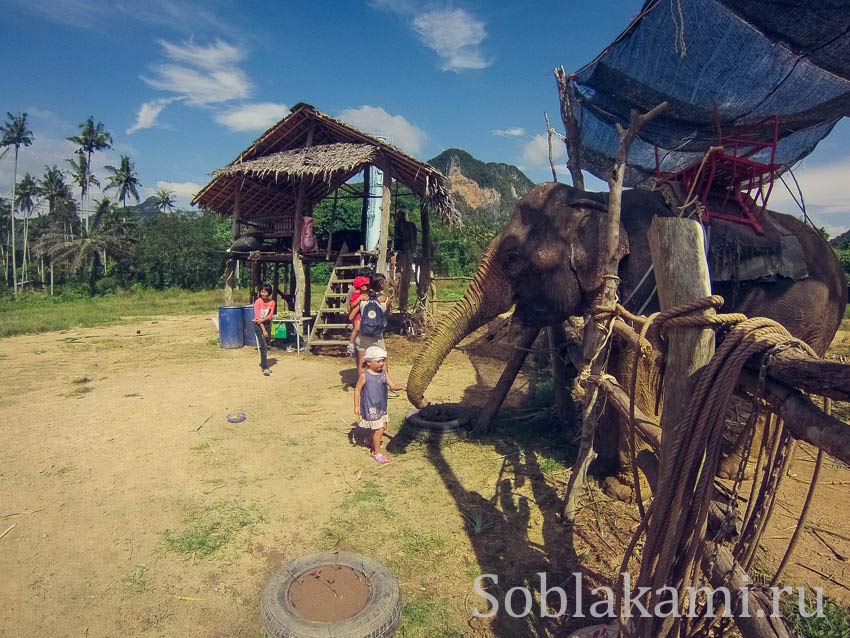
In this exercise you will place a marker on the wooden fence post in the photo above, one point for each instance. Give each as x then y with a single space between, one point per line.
681 272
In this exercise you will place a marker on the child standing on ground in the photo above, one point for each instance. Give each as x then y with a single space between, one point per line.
371 397
263 313
372 310
361 289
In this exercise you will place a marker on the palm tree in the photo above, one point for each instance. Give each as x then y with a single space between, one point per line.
57 193
15 133
83 177
25 196
124 179
88 249
164 199
92 137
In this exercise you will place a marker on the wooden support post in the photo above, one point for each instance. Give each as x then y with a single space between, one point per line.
231 271
681 272
425 263
229 277
308 269
256 280
386 203
596 332
403 264
297 262
236 229
276 285
569 110
512 368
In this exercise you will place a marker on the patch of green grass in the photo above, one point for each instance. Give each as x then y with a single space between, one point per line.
412 481
210 528
424 545
549 465
425 618
369 494
834 623
79 391
136 580
39 312
66 469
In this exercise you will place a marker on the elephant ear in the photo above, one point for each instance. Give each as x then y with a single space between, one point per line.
589 249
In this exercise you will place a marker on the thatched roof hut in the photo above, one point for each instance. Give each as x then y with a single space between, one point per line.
275 182
322 152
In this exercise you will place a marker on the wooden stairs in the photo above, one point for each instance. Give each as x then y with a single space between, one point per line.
332 329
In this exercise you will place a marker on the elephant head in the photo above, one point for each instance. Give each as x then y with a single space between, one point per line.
545 261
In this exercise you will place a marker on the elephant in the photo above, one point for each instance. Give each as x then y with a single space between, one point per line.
545 262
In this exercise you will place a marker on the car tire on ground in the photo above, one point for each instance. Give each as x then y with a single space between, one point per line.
379 618
441 422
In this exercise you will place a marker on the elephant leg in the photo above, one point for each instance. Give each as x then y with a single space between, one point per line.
497 396
615 440
563 376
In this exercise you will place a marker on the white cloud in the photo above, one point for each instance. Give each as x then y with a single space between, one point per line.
205 75
106 16
826 191
183 191
252 117
148 113
376 121
455 36
536 151
509 132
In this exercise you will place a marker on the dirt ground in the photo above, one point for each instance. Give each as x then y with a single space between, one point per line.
131 507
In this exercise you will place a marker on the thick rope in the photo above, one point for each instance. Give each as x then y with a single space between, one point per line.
678 516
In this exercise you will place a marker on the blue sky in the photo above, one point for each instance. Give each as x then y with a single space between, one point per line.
184 86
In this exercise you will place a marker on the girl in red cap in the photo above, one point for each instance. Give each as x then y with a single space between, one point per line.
361 289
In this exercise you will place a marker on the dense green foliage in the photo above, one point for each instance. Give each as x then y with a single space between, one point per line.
178 249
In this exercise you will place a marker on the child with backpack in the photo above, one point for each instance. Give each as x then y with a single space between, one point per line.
360 288
370 397
372 310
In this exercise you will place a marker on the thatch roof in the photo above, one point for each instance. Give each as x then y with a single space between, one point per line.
270 170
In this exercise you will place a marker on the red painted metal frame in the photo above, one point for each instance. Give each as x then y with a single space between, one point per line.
729 176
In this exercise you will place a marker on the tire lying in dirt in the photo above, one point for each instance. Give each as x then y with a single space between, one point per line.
438 422
304 598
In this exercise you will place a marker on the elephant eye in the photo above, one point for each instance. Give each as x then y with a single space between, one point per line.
511 261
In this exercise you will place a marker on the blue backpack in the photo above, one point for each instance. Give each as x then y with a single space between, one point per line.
372 318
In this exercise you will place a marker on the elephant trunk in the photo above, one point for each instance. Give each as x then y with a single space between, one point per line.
488 295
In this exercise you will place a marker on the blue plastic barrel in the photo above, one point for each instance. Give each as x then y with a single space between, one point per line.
248 326
230 333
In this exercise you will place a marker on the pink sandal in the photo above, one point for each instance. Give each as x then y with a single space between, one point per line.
380 458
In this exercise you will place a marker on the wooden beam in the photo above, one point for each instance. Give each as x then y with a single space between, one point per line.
723 571
799 370
647 427
569 111
804 419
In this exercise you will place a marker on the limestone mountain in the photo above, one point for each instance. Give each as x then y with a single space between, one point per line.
485 189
